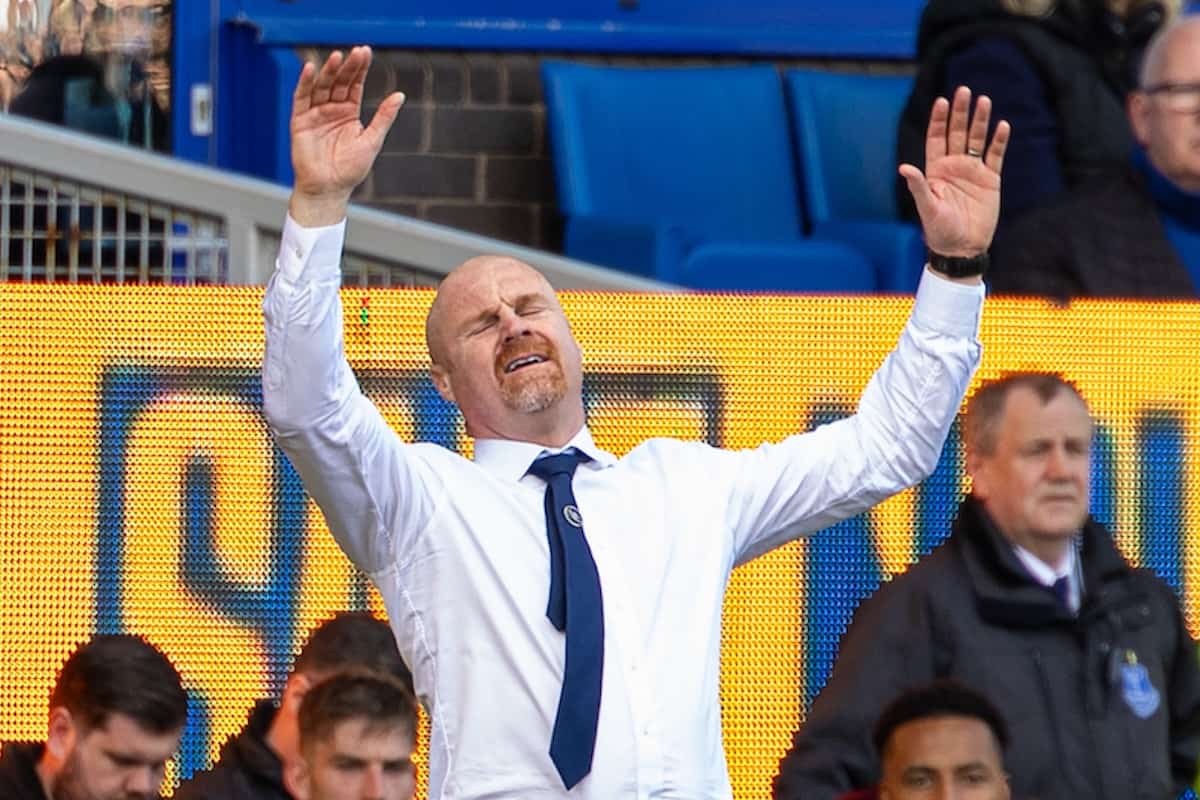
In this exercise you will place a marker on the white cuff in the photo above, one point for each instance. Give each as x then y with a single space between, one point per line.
948 307
311 253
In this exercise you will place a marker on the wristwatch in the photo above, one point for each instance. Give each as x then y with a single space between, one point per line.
957 266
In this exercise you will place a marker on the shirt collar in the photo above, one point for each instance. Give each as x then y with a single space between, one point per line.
1042 572
510 459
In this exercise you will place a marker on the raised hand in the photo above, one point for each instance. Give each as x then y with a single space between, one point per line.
958 196
331 150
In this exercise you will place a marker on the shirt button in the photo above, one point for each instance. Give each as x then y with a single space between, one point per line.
299 251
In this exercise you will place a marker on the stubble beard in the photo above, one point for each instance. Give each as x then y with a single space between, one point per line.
535 394
70 784
540 389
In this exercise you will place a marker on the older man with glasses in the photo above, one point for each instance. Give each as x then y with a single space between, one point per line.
1136 234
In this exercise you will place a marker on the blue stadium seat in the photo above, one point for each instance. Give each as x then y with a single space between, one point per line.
687 175
845 129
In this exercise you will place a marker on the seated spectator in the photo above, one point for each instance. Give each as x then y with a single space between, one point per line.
117 713
1058 70
1089 658
941 740
252 763
71 91
357 735
1137 234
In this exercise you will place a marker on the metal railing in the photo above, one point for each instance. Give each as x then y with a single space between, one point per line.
80 209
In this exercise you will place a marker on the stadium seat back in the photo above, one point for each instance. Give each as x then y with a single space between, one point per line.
705 148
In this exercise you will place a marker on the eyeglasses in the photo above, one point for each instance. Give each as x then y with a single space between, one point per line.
1182 98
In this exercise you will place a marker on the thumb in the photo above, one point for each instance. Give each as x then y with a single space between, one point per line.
385 115
918 187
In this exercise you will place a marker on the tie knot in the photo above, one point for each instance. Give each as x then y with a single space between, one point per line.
1062 590
558 464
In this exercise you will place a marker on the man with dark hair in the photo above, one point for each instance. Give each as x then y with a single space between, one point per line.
117 713
942 740
357 734
252 763
1089 658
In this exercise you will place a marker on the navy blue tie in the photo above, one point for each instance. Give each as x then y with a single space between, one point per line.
1062 590
576 608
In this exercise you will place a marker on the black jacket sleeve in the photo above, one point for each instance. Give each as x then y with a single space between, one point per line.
1032 257
1184 702
888 648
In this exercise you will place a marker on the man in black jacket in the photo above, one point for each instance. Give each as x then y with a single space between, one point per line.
1029 601
117 713
252 763
1136 233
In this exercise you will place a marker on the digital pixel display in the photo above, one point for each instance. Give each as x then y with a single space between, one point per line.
140 490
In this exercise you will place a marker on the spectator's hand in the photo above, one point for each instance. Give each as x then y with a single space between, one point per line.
331 150
958 197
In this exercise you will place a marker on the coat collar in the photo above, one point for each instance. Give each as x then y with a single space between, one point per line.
1005 591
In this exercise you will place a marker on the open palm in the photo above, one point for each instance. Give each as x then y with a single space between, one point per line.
332 151
958 196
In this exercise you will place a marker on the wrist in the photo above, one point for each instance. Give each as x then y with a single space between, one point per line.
317 210
959 266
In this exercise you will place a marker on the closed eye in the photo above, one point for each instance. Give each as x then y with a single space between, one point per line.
483 326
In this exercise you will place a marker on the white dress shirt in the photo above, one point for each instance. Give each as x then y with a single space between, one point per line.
458 548
1048 575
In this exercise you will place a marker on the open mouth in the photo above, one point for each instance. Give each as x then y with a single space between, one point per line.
522 362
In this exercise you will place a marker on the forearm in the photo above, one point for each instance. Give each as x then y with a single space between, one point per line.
813 480
316 210
305 373
350 461
907 409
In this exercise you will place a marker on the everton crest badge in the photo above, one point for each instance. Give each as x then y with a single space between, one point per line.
1136 689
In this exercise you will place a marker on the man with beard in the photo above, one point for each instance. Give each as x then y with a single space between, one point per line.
555 662
116 716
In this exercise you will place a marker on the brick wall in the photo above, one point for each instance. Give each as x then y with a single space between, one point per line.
469 148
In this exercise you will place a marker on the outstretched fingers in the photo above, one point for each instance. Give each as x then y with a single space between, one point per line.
355 94
919 188
977 136
935 134
960 111
385 115
995 152
323 86
302 96
352 71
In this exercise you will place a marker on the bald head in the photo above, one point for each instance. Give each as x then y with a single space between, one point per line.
1165 110
1170 44
486 269
503 352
